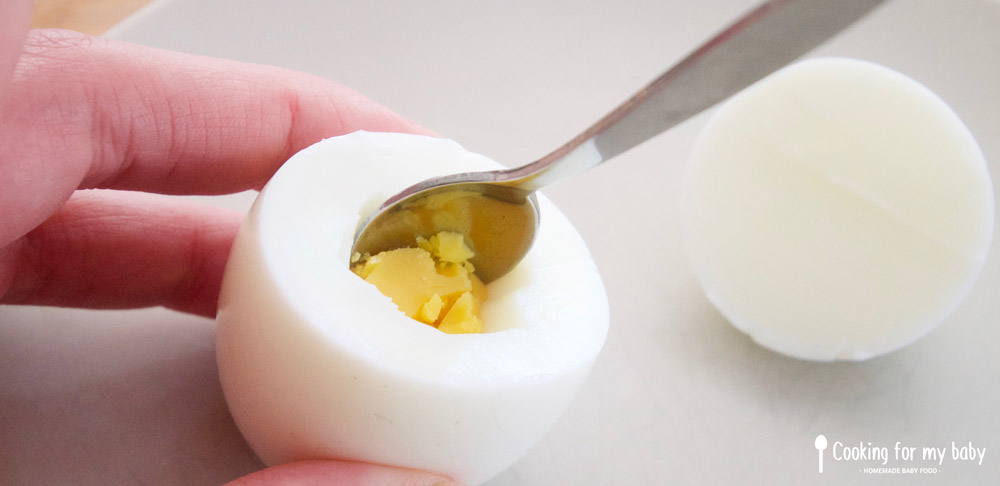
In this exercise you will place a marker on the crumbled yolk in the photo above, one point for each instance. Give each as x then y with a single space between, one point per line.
432 283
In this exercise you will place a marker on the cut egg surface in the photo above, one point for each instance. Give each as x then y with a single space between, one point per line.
836 210
316 363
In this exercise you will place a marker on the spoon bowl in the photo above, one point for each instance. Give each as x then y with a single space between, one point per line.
821 442
498 222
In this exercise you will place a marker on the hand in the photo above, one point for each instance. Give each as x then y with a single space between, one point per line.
82 112
90 128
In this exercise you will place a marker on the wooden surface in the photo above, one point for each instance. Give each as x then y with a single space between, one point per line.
88 16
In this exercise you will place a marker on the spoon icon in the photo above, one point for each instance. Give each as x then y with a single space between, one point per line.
820 447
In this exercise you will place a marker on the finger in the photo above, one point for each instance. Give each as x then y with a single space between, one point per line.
332 473
115 249
88 112
162 121
14 18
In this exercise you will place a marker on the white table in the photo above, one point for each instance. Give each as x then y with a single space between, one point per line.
679 396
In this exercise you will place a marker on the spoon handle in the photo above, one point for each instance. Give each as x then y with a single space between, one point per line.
762 41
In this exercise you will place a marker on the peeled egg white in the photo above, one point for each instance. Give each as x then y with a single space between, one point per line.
837 210
316 363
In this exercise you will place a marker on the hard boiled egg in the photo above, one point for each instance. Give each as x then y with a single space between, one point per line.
837 210
316 363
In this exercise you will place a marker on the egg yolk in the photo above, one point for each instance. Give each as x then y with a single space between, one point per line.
433 283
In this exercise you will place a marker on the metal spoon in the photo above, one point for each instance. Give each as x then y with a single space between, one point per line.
498 211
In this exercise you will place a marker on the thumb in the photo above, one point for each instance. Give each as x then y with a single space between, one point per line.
333 473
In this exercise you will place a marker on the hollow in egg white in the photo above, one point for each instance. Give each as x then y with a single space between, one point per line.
316 363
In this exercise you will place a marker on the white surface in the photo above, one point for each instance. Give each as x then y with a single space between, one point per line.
679 396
